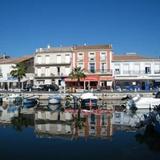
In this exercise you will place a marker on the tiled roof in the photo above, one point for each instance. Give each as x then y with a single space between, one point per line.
54 49
15 60
132 57
86 47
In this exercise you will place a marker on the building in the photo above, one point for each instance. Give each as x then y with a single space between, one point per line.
52 65
134 72
7 82
96 62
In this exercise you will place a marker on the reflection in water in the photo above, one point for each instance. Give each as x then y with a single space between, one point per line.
71 123
150 137
7 112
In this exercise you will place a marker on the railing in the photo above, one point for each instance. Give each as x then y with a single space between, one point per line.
51 75
132 72
53 64
99 71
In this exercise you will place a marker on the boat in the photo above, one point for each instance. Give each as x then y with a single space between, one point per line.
29 102
54 107
88 101
11 98
151 119
140 102
7 112
54 99
71 101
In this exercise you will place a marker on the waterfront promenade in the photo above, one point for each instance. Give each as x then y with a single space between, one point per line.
101 94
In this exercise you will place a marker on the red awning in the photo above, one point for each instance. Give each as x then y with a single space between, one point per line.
106 78
88 78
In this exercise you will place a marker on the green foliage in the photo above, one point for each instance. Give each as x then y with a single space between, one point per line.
19 71
77 73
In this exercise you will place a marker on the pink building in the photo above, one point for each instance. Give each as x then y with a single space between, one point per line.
96 62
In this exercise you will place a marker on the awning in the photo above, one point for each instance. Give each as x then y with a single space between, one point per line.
106 78
88 78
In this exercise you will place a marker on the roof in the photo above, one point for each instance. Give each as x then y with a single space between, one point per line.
85 47
54 49
15 60
129 57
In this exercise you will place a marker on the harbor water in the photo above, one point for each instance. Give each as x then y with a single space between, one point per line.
42 133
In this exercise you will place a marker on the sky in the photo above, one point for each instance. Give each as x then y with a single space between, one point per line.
129 25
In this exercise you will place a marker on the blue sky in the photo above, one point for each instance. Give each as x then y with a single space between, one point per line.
129 25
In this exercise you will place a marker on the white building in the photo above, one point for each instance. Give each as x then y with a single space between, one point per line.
8 82
132 72
52 65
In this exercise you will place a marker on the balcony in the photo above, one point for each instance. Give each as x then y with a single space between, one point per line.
51 76
156 72
132 72
52 64
99 71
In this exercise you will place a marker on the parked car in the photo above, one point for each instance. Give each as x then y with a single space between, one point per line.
49 87
44 87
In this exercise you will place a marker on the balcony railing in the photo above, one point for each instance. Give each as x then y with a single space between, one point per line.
133 72
51 75
99 71
52 64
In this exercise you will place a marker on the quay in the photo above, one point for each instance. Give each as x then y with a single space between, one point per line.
108 95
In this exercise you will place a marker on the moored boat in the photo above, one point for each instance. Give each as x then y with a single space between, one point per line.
143 102
55 99
88 101
29 102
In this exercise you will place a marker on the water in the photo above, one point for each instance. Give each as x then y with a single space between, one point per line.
44 134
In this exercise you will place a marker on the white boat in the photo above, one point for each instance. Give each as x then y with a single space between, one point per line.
10 98
56 99
143 102
53 107
88 100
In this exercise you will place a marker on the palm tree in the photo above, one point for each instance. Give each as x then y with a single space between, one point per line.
77 73
19 71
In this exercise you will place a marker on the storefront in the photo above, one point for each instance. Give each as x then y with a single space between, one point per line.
91 82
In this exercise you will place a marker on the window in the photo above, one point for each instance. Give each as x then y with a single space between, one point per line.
103 56
39 59
47 71
39 72
117 69
103 67
136 69
58 58
58 70
80 65
92 67
59 82
157 68
91 54
0 71
126 69
147 70
92 59
67 58
47 59
80 57
67 70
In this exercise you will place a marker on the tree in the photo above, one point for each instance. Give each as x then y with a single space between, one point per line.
19 71
77 73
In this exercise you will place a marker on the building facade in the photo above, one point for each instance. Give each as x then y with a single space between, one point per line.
7 82
52 65
133 72
96 62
